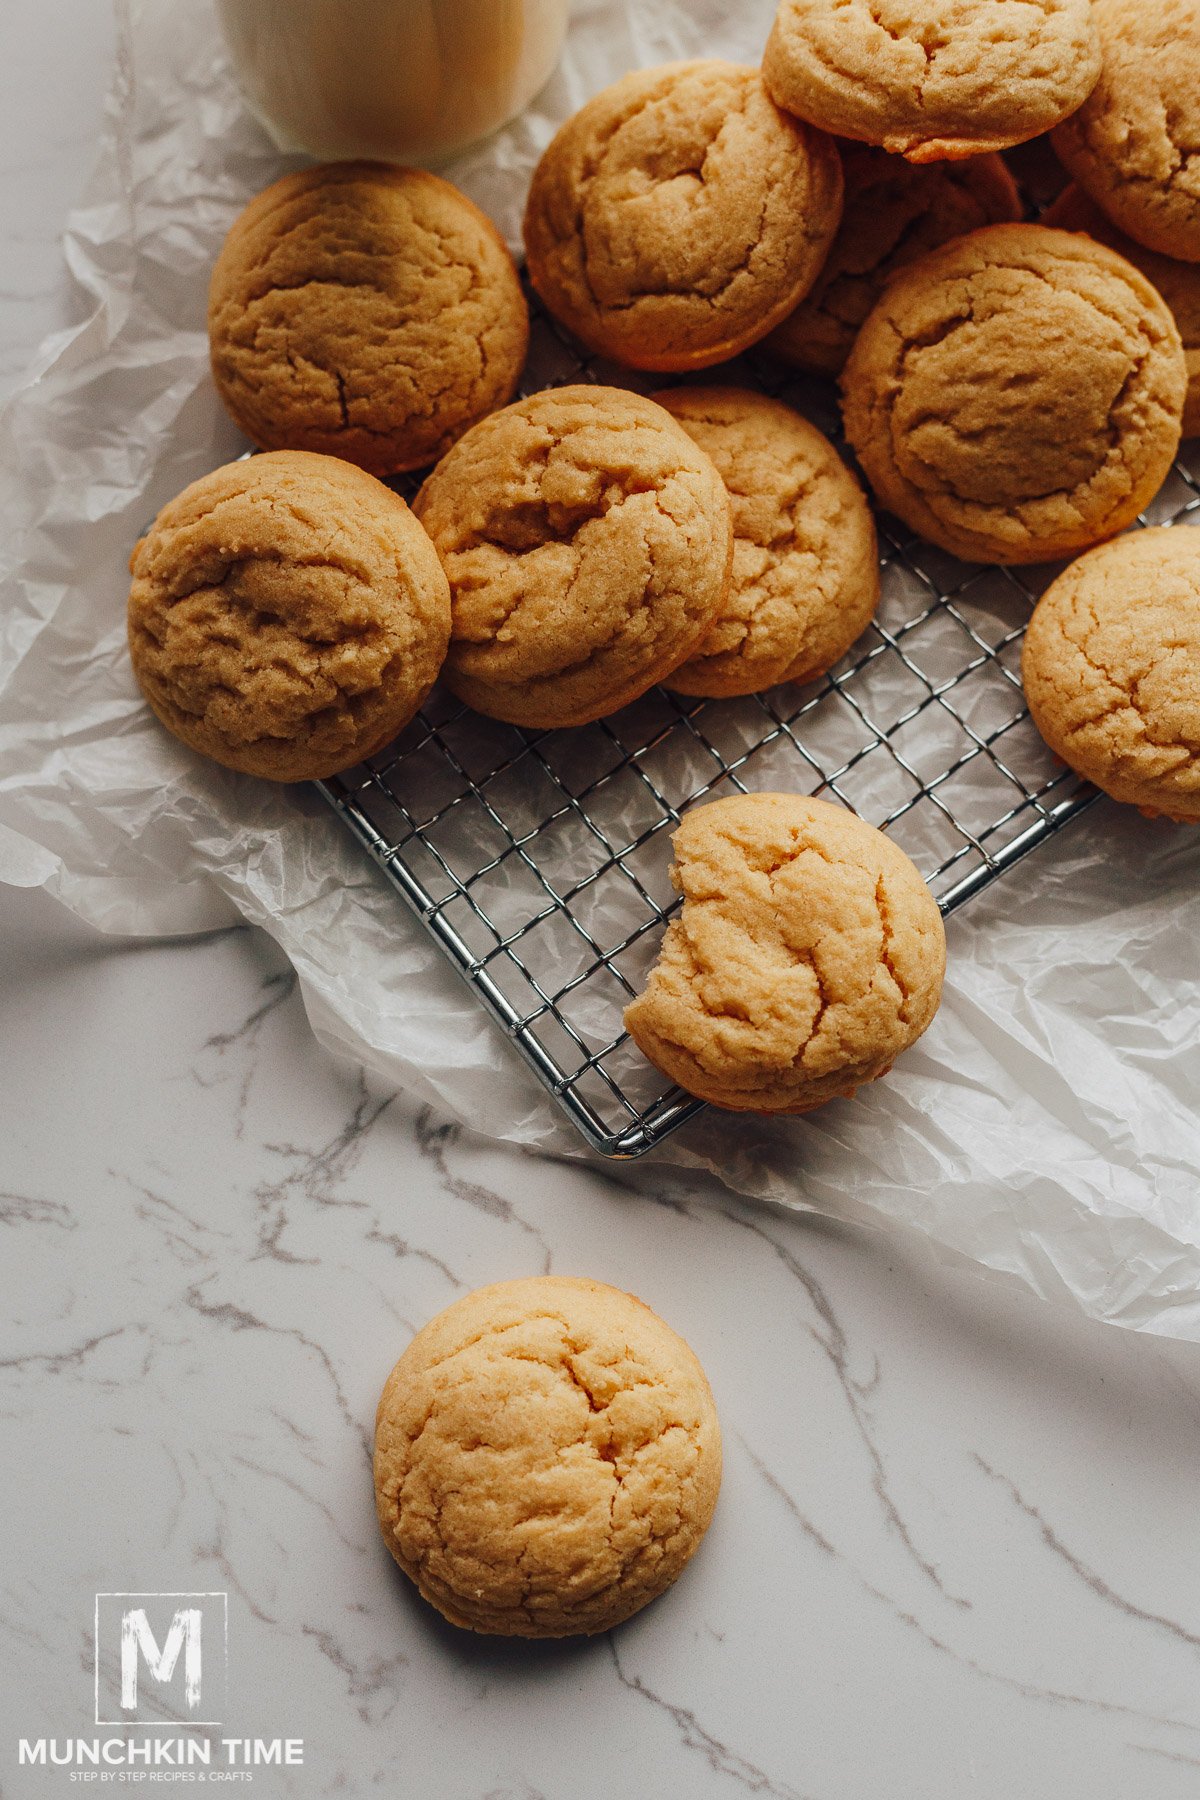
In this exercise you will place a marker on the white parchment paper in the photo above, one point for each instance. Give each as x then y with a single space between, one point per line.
1045 1129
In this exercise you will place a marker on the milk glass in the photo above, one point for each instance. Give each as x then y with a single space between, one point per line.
402 80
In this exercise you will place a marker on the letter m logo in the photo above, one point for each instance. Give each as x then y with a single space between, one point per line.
160 1657
137 1641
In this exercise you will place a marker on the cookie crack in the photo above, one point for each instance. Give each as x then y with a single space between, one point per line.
702 970
258 611
619 625
715 296
252 369
1115 441
886 957
862 75
1180 158
1127 701
564 1364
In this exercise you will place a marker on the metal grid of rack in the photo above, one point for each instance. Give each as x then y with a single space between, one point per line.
538 861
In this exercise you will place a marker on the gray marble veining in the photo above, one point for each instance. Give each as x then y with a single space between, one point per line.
955 1552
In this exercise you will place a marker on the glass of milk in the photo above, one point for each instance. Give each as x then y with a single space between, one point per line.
401 80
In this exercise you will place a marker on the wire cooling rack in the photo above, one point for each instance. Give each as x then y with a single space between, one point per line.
537 861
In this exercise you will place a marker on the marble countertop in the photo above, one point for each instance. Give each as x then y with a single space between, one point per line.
956 1550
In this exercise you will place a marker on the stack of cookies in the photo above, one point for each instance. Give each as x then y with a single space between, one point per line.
1014 391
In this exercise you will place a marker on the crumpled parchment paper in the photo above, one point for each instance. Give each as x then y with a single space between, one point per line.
1045 1129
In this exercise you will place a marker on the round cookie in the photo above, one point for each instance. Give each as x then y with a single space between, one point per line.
1017 395
680 215
1111 667
809 953
287 615
805 561
931 79
1133 143
588 543
365 311
547 1458
894 212
1177 282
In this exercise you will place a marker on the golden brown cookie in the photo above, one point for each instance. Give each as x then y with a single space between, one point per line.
1111 667
1016 396
894 212
805 560
808 955
287 616
367 311
931 79
680 215
588 542
1177 282
1134 145
547 1458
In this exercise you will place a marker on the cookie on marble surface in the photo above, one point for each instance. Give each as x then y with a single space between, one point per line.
1133 143
1111 667
1017 395
365 311
894 212
1177 282
588 543
931 80
287 615
547 1458
805 560
680 215
809 953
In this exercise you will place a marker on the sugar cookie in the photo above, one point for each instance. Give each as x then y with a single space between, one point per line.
1133 143
808 955
588 543
1177 282
680 215
805 560
1111 666
1017 395
366 311
932 79
287 616
547 1458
